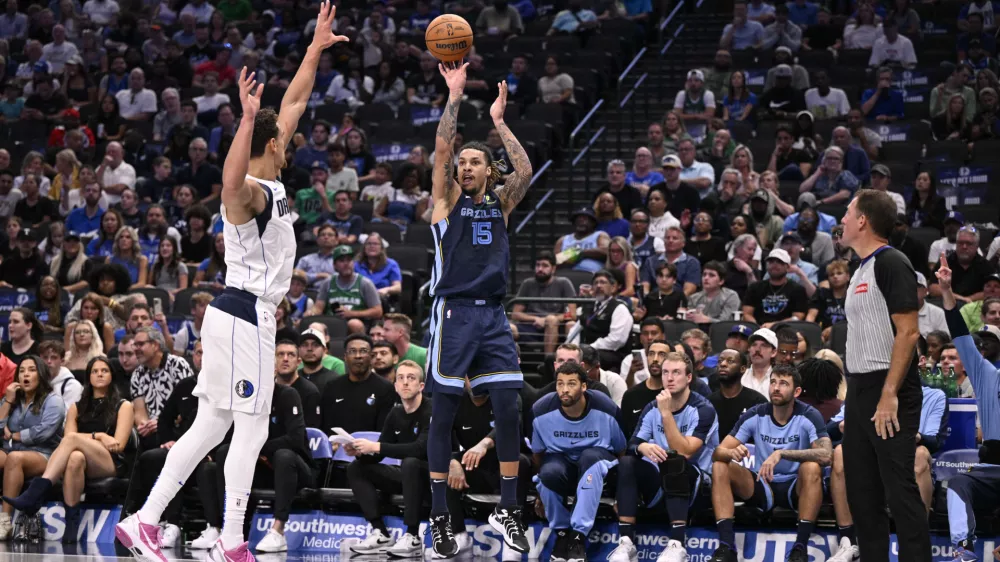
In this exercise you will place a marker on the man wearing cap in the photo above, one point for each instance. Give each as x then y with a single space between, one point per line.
931 316
586 248
348 294
781 33
87 219
799 270
24 268
742 33
312 353
694 102
969 269
59 50
892 48
782 101
776 298
681 195
70 122
763 349
739 338
979 488
985 311
881 178
800 76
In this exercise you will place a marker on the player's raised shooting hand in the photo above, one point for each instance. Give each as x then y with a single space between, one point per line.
250 93
324 37
454 75
498 107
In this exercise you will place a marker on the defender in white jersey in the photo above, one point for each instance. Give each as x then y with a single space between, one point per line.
237 377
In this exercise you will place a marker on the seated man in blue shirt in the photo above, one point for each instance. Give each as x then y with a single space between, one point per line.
791 449
883 102
669 456
87 219
576 442
742 33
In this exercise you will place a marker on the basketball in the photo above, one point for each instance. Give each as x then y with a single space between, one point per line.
448 37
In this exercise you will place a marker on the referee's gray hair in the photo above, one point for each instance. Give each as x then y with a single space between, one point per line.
616 162
154 335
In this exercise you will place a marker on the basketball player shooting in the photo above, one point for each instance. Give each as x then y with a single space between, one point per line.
236 382
470 335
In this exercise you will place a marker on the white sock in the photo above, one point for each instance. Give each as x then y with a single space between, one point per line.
167 486
233 517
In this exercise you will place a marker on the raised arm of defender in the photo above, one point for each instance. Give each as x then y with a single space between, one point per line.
296 98
237 193
516 186
444 191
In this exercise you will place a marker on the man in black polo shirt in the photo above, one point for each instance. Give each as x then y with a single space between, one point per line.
732 398
969 270
361 400
286 359
25 268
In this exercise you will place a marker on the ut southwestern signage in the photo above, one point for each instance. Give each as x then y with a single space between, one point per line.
97 523
314 533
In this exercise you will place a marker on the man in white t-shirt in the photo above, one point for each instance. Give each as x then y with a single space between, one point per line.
892 47
340 177
930 317
382 186
212 98
763 348
137 103
59 50
881 178
115 174
825 102
100 11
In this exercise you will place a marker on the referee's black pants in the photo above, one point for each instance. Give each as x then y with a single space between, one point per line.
880 471
411 478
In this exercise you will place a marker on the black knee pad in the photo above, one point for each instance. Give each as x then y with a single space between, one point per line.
673 473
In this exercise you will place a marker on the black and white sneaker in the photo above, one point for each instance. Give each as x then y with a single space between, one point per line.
560 550
443 540
724 553
508 523
577 551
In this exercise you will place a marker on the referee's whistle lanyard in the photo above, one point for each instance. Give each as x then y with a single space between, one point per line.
875 253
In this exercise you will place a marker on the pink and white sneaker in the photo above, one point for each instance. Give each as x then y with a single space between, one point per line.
241 553
142 539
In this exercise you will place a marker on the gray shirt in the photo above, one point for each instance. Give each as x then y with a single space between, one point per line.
777 36
822 250
558 288
719 309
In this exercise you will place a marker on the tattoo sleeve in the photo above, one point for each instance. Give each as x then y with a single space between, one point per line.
821 452
517 183
444 186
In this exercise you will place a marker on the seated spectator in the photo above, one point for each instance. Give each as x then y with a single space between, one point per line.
87 218
688 267
826 222
883 102
405 204
718 148
979 58
802 13
969 269
114 174
500 19
739 103
349 294
699 175
397 328
190 331
664 300
93 445
856 159
92 310
788 162
609 326
319 265
643 176
381 270
974 31
925 208
742 33
137 103
540 318
799 271
555 86
765 218
32 414
205 177
586 248
953 221
892 47
694 102
127 253
347 402
714 302
633 368
862 32
381 187
167 271
825 102
800 76
776 298
24 269
182 133
718 75
211 272
44 104
986 124
881 177
826 307
818 246
781 33
573 468
704 245
609 216
952 124
628 196
49 308
831 182
674 131
318 148
318 367
930 316
986 311
426 87
169 116
620 258
154 380
782 101
983 7
758 10
341 177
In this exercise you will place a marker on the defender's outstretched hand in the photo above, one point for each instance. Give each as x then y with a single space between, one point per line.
454 75
498 107
250 93
323 37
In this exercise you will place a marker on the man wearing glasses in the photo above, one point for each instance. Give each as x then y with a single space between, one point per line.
153 381
969 269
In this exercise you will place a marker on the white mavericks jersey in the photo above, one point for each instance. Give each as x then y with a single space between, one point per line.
260 254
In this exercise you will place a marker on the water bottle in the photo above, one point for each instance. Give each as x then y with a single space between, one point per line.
952 383
925 375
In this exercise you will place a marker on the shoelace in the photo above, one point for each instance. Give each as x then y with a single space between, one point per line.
442 530
510 525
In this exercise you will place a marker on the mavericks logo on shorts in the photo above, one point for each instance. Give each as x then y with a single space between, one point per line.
244 389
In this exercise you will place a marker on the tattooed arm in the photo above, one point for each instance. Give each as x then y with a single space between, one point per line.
443 188
516 186
821 453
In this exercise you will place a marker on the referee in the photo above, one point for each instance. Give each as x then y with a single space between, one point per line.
884 397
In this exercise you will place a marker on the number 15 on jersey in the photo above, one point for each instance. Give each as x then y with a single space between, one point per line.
482 233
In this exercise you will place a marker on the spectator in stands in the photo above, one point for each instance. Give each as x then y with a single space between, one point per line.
986 311
319 265
384 360
703 245
13 24
341 177
35 209
389 87
318 147
766 220
730 398
715 302
643 244
827 305
620 259
718 147
59 51
25 268
742 267
381 270
348 225
699 175
427 87
299 302
500 19
682 423
167 271
13 102
952 125
803 13
190 330
573 467
665 299
205 177
349 295
555 86
781 33
83 346
628 196
218 69
540 318
931 316
974 31
64 382
397 332
719 75
96 433
862 32
831 182
32 414
761 11
881 177
969 269
142 315
221 134
87 219
695 102
633 368
70 265
674 131
926 208
153 380
643 176
776 298
856 159
48 306
783 100
883 102
346 401
688 267
739 103
286 354
800 76
825 102
45 104
953 221
312 350
136 103
892 47
127 253
211 272
609 215
114 174
586 248
986 124
742 33
800 271
985 8
405 204
608 328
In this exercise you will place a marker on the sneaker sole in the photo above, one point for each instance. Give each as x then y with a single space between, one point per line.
499 529
270 550
416 553
126 540
379 550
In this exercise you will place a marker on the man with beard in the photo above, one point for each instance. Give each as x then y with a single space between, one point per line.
358 401
969 269
384 359
776 298
591 361
576 442
646 389
676 436
586 248
286 355
788 347
540 318
763 349
799 270
986 311
717 76
791 449
731 399
404 437
326 361
817 247
397 332
643 245
634 371
609 327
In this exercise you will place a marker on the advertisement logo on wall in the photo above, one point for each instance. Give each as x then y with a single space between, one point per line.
97 523
317 532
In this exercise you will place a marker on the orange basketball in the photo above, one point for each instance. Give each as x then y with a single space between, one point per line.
448 37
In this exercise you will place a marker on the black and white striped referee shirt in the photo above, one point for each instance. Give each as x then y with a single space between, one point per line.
884 284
